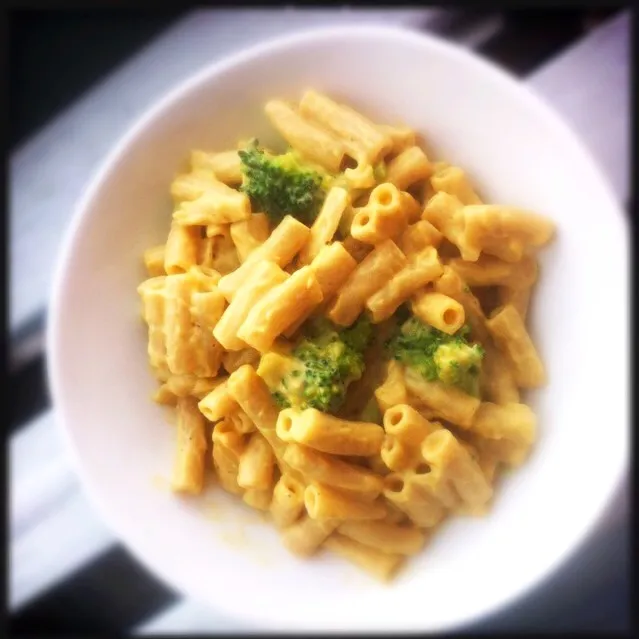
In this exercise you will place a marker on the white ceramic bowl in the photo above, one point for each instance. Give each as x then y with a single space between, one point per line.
518 152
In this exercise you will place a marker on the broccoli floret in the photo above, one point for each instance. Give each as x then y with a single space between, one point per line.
281 185
359 335
437 355
329 369
318 371
459 364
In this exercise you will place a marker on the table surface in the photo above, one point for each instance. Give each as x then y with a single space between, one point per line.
67 571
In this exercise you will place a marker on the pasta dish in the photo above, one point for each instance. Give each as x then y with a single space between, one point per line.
341 329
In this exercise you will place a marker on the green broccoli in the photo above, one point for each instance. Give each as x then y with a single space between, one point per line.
318 371
282 185
459 364
437 355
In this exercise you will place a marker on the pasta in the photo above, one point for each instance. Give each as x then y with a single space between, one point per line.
439 310
508 330
408 167
225 166
385 215
329 434
188 473
265 276
323 502
248 234
341 330
368 277
325 226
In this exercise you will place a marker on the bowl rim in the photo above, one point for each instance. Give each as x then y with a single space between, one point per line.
392 35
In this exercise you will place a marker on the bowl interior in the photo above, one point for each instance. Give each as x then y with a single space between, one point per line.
516 152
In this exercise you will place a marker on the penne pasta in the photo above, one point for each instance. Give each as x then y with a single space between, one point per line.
282 245
398 307
367 278
312 141
325 225
188 472
329 434
281 306
508 330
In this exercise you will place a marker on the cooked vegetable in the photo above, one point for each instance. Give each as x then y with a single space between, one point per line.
438 356
318 371
282 185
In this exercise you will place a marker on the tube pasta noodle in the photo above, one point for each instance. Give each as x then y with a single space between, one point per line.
341 331
438 310
329 434
419 505
319 467
397 455
454 181
265 276
449 402
347 124
280 247
382 565
443 451
207 308
218 204
225 166
306 535
508 330
326 223
181 249
188 473
255 467
393 389
446 213
280 307
417 237
405 423
258 499
514 422
241 421
504 231
368 277
491 271
385 215
287 504
153 298
248 234
154 260
218 403
331 267
189 348
323 502
410 166
228 446
312 141
425 268
184 386
401 136
232 360
384 536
